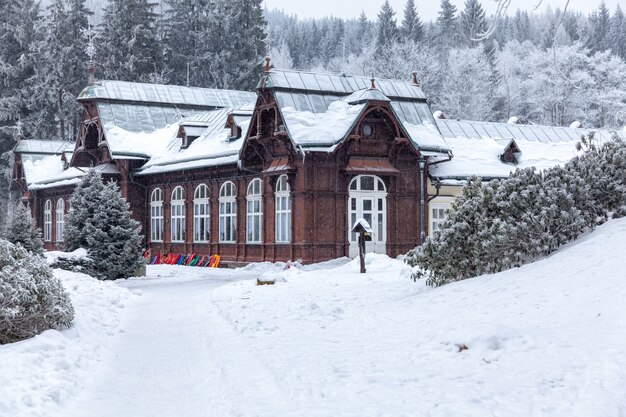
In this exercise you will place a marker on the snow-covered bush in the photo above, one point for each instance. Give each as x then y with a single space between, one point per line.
100 221
21 229
32 299
506 223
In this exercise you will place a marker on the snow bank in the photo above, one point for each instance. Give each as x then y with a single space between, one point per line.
47 370
53 256
547 339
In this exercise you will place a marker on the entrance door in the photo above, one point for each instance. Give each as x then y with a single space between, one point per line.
368 201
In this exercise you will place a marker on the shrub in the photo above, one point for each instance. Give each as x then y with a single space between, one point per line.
32 300
21 229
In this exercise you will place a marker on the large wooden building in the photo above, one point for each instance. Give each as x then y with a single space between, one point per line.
277 175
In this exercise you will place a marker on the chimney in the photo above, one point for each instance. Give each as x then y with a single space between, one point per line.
373 87
414 79
267 63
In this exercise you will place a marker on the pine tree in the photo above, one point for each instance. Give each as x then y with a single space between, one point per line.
600 25
363 32
411 30
99 220
21 230
472 22
521 26
387 29
447 25
128 44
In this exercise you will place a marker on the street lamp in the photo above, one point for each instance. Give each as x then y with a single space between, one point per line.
422 164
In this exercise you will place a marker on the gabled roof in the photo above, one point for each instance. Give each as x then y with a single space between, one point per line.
477 147
41 147
171 95
304 97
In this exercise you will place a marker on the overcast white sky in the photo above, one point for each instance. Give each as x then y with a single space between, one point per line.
426 8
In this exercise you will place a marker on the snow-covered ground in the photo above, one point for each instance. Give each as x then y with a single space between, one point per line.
547 339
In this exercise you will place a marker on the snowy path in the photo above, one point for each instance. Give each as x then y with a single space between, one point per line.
177 357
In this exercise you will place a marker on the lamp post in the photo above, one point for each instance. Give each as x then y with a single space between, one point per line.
422 164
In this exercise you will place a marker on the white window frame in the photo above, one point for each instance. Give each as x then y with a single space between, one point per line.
47 221
60 219
376 193
254 212
201 214
156 215
228 212
438 213
283 210
177 215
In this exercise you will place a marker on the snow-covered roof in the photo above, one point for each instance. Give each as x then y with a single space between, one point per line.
304 96
172 95
42 147
49 172
213 147
477 147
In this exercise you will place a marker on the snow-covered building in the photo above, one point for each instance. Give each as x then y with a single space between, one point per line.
493 150
282 173
277 175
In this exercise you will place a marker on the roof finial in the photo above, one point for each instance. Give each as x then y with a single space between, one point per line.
19 134
90 50
414 79
268 60
373 84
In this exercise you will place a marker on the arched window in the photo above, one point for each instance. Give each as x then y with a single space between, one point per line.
201 214
47 221
283 210
254 225
228 213
178 214
60 218
156 215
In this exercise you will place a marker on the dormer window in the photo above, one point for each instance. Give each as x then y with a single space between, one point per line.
511 153
235 132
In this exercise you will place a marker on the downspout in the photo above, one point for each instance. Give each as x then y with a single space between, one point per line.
422 165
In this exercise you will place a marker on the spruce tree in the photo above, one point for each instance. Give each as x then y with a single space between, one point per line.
472 22
600 25
411 30
99 220
447 25
21 230
387 29
129 47
617 33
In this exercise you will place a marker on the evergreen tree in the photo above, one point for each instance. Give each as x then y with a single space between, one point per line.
411 30
617 33
472 22
363 32
21 230
99 220
32 299
600 25
60 74
447 25
387 29
128 44
521 28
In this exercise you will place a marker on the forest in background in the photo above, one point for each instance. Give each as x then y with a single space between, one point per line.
550 68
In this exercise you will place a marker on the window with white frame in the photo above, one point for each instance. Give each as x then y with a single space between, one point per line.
228 212
47 221
438 215
178 214
254 224
156 215
283 210
201 214
60 219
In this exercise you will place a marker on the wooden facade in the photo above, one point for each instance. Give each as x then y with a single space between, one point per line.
320 200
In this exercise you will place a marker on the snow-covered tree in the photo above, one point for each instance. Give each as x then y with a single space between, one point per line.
617 33
387 28
472 22
21 230
128 44
100 221
32 299
600 25
447 25
411 30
